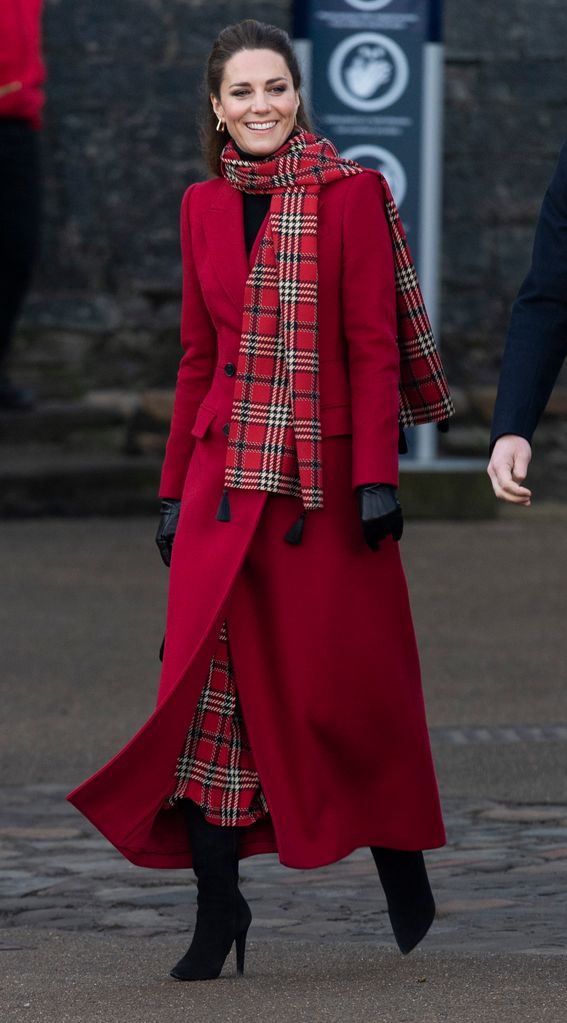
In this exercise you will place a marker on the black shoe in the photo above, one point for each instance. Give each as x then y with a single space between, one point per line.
411 906
223 915
15 399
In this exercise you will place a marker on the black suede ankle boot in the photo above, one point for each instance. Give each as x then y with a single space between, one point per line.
411 906
223 915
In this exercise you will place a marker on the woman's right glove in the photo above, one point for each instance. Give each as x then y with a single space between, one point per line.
169 509
380 513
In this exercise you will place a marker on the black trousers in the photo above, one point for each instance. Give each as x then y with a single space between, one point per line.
20 211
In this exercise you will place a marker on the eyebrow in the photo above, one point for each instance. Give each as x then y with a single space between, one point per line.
269 81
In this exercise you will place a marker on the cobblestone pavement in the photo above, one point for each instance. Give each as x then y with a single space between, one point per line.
500 884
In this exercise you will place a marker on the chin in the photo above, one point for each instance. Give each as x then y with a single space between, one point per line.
262 146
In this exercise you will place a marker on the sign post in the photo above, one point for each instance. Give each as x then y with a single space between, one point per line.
374 77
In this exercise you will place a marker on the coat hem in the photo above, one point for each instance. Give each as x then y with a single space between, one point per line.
181 860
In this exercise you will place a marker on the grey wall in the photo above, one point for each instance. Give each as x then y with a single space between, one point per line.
505 122
120 146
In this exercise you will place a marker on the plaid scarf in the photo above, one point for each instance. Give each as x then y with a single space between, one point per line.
274 442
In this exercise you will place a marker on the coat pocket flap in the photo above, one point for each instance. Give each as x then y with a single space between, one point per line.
203 420
335 420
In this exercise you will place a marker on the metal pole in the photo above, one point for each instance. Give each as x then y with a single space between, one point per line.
303 46
430 201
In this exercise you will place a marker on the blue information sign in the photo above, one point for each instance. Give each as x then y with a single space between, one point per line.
367 70
373 73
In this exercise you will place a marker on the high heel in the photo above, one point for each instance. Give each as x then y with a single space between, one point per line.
411 906
241 951
244 919
187 968
223 915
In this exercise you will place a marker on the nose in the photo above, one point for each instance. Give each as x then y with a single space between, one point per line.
260 102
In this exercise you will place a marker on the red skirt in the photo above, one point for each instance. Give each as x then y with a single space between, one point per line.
216 768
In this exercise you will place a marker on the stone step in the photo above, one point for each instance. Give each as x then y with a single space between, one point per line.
124 421
39 480
449 488
57 422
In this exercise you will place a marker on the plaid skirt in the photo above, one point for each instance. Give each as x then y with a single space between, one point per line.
216 768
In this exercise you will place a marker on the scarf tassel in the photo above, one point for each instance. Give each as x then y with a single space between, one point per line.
223 513
294 535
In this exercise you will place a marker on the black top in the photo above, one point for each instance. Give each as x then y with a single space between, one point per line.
255 209
255 206
537 338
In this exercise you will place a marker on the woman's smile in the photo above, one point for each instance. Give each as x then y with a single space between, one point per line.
258 101
261 125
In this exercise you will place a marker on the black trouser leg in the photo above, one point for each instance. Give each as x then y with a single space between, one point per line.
19 223
411 906
223 915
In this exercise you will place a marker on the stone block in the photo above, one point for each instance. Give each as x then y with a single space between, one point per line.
544 34
482 31
39 831
481 400
524 814
557 405
467 441
146 918
158 405
450 490
511 195
60 423
42 482
120 403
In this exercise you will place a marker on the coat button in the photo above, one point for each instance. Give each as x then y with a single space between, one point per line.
226 429
230 369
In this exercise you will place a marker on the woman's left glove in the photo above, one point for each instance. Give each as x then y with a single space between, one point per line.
169 512
380 513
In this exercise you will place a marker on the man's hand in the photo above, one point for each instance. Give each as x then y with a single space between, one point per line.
508 469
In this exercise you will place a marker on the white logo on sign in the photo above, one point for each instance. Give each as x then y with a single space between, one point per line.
368 5
384 161
368 71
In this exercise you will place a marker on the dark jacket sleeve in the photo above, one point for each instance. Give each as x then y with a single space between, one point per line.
537 338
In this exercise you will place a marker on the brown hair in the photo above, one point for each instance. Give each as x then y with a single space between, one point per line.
245 35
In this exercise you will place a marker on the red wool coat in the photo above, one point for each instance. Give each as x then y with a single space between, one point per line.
321 634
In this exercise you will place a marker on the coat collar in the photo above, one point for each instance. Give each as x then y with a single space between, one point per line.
225 239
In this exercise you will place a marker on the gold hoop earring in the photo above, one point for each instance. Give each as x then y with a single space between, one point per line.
220 125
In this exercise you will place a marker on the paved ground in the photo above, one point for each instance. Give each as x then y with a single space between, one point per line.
86 937
500 884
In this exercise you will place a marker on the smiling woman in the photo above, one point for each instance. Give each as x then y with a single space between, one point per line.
253 84
290 715
259 113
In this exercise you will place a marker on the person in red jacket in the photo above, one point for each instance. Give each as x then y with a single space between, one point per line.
22 74
290 714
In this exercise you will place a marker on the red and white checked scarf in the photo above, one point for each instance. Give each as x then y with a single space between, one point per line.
274 441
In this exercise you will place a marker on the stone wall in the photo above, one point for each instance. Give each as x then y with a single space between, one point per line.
506 88
120 147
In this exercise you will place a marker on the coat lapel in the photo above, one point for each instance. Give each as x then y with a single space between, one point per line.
225 240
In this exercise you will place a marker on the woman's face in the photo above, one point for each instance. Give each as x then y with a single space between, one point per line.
257 100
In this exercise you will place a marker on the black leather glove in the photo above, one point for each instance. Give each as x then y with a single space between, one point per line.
380 513
169 509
